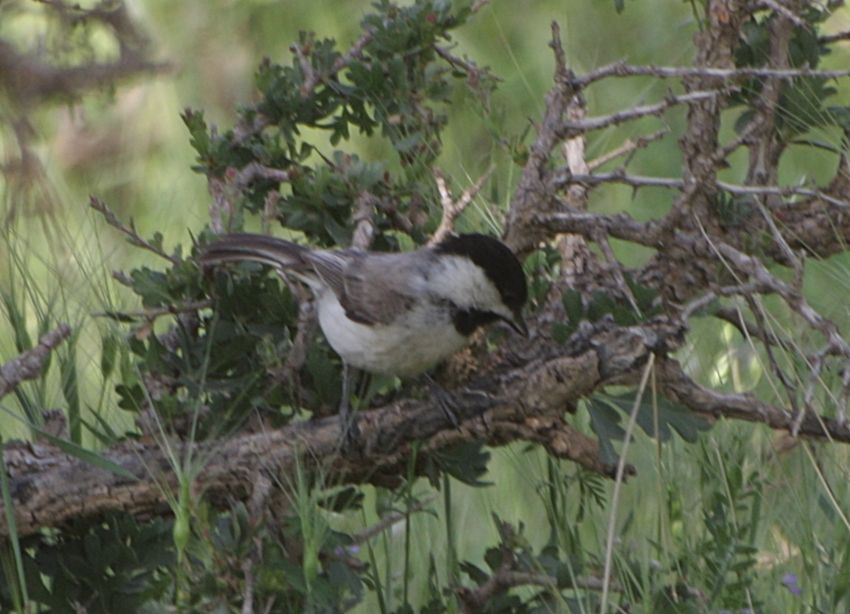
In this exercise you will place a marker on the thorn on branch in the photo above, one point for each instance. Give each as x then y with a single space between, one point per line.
29 364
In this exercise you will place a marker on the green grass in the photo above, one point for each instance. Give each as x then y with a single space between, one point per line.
731 516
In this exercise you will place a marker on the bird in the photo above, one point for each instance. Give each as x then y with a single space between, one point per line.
395 313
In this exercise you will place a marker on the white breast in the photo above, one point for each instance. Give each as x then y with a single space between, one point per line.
420 339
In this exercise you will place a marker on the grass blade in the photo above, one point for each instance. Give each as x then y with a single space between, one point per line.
9 510
88 456
70 388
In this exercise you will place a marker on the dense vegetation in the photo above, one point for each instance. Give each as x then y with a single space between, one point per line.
681 217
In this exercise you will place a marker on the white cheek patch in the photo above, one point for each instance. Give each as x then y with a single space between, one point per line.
464 283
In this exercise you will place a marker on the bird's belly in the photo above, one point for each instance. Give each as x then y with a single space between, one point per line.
419 340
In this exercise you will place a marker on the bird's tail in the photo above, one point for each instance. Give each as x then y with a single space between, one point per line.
259 248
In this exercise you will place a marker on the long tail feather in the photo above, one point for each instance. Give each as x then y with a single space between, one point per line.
259 248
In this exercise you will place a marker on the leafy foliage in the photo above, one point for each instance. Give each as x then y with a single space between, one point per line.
802 100
114 565
214 369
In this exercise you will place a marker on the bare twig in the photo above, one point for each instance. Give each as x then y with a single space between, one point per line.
735 317
618 176
254 170
641 181
629 146
619 225
620 69
153 313
834 38
390 519
512 573
769 283
468 67
133 237
530 197
570 128
816 363
757 309
785 12
29 364
743 137
30 81
453 208
616 270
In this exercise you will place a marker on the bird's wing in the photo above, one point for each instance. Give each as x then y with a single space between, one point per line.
365 286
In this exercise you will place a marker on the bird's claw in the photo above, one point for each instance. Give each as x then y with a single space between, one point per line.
349 430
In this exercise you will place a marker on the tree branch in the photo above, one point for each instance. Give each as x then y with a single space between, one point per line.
30 363
620 69
49 488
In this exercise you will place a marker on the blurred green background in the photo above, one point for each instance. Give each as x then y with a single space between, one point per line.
128 146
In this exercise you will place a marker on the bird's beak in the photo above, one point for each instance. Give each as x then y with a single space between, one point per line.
518 324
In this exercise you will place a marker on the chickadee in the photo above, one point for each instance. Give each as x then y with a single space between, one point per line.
396 313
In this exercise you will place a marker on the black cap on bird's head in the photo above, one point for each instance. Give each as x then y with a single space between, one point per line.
500 266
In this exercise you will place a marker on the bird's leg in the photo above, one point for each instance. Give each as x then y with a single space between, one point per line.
445 399
347 418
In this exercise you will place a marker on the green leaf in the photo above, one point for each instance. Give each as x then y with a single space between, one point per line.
108 353
70 387
476 574
605 422
573 305
152 286
199 138
670 416
465 462
561 332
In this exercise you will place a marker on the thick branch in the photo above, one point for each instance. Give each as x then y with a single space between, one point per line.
29 80
50 488
682 388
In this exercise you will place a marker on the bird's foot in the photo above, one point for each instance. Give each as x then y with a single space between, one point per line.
447 401
349 431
